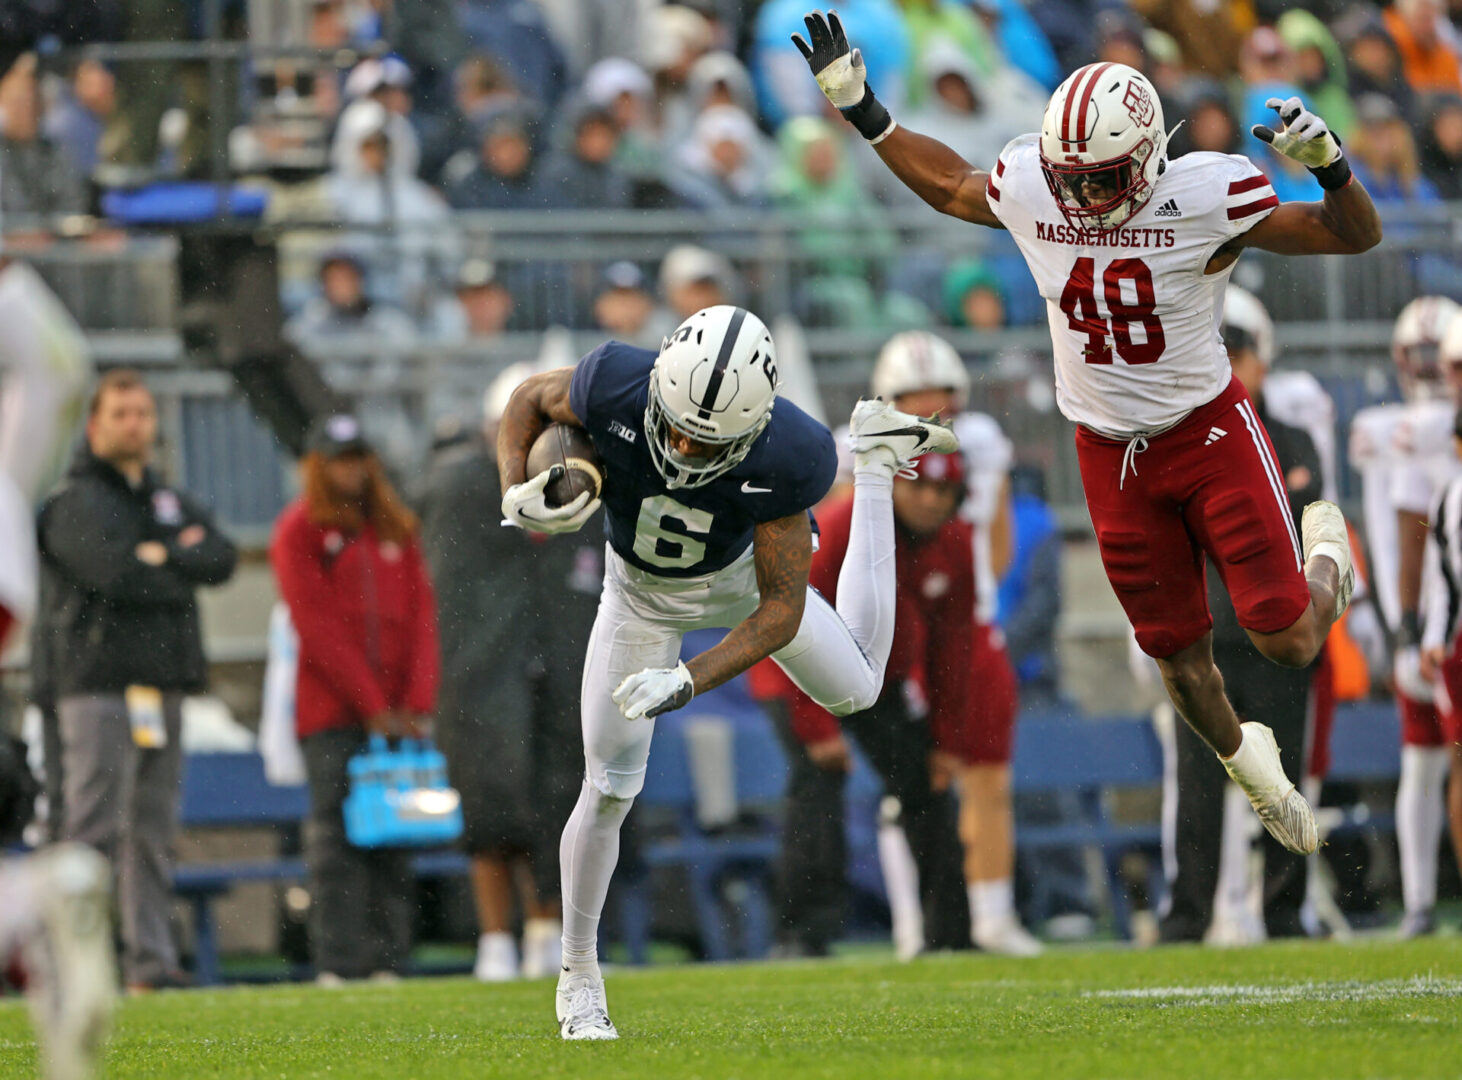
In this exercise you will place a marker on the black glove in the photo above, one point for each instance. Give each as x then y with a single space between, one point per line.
841 74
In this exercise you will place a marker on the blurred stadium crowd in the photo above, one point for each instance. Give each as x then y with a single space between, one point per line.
396 114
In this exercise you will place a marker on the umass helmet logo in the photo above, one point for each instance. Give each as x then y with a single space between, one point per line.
1139 103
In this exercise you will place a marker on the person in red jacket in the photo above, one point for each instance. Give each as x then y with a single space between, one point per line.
351 571
966 689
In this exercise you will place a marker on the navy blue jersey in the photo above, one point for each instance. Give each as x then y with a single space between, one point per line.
685 532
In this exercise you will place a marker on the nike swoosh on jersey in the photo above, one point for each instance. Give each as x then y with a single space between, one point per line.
749 490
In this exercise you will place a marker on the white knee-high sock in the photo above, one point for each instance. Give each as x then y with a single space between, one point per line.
587 854
1235 866
1419 814
901 880
867 589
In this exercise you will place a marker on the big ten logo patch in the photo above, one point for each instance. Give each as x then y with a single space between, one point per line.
1138 102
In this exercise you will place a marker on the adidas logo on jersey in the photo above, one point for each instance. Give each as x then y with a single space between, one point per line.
1168 209
1214 434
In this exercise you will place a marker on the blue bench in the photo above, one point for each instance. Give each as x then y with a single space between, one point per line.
1058 750
230 791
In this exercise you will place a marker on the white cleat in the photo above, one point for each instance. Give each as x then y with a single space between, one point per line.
583 1012
877 428
1279 804
1322 528
69 962
497 958
1006 937
542 948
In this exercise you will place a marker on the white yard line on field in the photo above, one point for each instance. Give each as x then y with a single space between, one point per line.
1419 986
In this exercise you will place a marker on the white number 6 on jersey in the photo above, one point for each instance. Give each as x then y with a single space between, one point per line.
665 533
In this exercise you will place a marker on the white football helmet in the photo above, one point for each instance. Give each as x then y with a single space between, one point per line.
1103 131
918 360
1243 311
715 381
1414 346
1449 354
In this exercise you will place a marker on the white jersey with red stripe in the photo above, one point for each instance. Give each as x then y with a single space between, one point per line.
1134 319
1374 456
1296 398
1423 442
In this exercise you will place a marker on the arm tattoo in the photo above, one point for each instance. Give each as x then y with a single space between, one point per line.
783 553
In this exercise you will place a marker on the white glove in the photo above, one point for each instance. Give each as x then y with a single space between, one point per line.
838 70
654 691
1305 137
1409 679
524 508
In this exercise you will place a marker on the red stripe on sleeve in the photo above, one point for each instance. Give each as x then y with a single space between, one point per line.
1249 183
999 167
991 191
1269 202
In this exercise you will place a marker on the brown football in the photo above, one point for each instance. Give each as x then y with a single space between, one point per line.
571 447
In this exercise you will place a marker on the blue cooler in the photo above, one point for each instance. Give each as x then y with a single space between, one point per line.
399 797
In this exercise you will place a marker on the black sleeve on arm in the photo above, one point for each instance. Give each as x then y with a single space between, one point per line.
211 561
88 540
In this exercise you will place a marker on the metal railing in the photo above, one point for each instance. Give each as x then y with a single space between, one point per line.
1333 317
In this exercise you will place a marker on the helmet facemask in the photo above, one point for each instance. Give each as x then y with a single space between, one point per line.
1102 194
680 470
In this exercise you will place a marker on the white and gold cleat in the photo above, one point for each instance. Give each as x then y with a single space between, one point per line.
1256 768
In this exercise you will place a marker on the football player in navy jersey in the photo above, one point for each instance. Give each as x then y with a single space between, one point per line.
708 482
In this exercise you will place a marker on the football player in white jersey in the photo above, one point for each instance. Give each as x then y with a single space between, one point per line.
54 905
709 479
922 374
1132 252
1422 461
1440 659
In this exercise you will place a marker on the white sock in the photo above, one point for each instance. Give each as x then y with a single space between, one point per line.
991 902
901 879
1231 896
867 590
1420 811
587 854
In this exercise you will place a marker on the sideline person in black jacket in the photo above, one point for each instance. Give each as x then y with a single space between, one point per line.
121 554
1262 691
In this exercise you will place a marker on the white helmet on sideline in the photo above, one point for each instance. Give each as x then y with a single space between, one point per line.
715 381
1103 128
1414 345
1243 311
918 360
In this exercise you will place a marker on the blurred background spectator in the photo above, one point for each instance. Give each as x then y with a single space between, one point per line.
37 175
349 566
625 308
345 309
515 616
123 554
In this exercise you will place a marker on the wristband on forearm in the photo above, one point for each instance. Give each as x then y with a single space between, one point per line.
870 117
1408 633
1334 176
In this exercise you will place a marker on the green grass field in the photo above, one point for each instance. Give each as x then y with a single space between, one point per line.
1375 1009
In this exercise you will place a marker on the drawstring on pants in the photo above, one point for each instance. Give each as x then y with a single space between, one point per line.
1136 445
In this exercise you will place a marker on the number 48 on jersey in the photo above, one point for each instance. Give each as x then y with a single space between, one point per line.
1079 303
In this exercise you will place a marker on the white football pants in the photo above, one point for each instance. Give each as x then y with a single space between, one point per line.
838 658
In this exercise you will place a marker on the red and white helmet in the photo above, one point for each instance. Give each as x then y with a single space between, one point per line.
1415 341
918 360
1103 129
